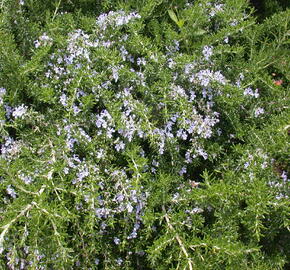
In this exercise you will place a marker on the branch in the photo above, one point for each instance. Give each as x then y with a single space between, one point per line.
8 225
177 238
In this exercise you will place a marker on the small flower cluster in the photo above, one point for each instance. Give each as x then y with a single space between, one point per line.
249 92
43 40
10 148
207 52
20 111
115 18
215 8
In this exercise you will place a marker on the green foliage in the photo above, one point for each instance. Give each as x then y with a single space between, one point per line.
266 8
143 135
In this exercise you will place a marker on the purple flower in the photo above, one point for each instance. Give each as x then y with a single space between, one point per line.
141 61
66 170
26 179
117 240
115 73
249 92
182 171
129 207
102 212
120 146
43 40
259 111
207 52
2 91
10 190
202 153
119 197
19 111
171 63
246 165
119 261
284 176
63 100
70 143
76 109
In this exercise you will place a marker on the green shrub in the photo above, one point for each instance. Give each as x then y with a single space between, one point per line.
143 135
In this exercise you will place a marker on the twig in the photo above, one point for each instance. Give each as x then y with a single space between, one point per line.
8 225
56 10
177 238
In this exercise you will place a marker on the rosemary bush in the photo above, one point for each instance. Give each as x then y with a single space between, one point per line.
143 135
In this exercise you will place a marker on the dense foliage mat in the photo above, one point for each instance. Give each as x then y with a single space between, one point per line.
143 135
